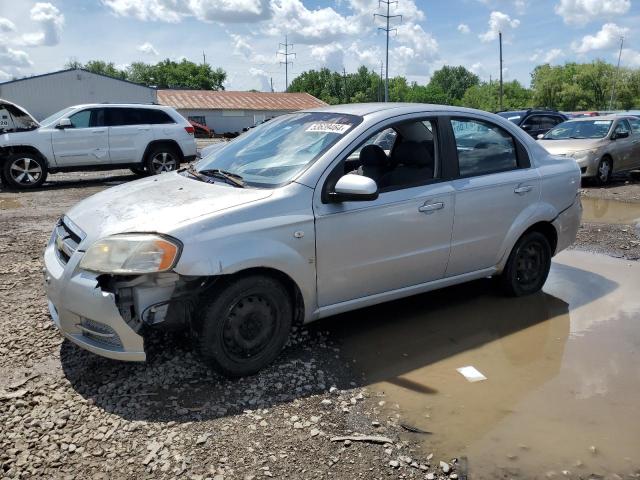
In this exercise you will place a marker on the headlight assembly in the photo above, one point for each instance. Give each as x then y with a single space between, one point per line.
132 254
582 154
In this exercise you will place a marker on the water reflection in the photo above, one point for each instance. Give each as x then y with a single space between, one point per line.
601 210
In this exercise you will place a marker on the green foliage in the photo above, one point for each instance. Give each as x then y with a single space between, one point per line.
453 82
165 74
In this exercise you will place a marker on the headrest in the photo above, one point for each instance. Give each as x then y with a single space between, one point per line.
414 154
373 156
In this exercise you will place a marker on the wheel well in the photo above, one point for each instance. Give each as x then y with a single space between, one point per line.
290 285
6 151
548 230
157 143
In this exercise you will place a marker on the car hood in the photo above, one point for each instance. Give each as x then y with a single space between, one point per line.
564 147
17 111
156 204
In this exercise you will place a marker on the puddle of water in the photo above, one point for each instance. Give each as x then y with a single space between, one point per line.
9 203
601 210
562 370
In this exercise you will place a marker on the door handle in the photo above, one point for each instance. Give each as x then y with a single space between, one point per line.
144 129
432 207
522 190
98 131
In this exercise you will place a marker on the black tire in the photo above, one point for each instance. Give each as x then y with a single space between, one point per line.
603 175
162 158
141 171
24 171
245 325
528 265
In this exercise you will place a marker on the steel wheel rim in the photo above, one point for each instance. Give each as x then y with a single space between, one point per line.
604 169
529 263
249 327
25 171
163 162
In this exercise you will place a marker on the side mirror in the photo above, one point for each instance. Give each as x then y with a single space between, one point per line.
64 123
540 136
617 135
527 126
354 188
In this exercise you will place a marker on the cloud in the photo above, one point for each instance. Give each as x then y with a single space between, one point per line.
369 55
51 22
173 11
6 25
243 49
148 49
330 56
519 5
4 76
630 57
498 22
417 51
546 56
14 58
464 28
581 12
608 37
262 77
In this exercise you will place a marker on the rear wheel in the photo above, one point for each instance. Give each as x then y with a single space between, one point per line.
603 174
162 158
245 325
528 265
22 171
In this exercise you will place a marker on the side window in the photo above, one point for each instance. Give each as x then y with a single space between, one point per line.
531 123
623 127
635 124
547 122
483 148
118 117
81 119
155 117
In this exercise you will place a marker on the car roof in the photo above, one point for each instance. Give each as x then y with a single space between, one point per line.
364 109
602 117
128 105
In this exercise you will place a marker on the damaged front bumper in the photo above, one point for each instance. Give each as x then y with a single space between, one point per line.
104 316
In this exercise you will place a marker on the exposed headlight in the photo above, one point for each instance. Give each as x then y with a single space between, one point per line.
129 254
583 153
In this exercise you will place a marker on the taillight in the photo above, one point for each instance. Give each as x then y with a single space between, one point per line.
190 130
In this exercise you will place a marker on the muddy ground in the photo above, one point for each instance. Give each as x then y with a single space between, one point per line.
65 413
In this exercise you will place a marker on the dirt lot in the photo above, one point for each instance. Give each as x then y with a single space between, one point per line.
68 414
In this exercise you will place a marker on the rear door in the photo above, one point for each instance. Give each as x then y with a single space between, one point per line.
129 134
623 147
495 191
635 141
85 142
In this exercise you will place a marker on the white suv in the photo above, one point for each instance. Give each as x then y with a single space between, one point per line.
149 139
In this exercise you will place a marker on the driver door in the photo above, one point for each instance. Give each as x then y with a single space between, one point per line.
86 142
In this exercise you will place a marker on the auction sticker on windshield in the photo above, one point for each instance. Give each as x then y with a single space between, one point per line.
338 128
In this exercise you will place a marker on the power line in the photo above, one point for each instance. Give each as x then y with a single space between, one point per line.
387 17
286 54
615 79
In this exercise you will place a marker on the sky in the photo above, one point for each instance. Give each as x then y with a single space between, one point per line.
243 36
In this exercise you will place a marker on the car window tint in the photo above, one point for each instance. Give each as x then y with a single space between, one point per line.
124 116
483 147
97 117
156 117
81 119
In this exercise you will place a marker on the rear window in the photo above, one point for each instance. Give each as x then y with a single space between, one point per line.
156 117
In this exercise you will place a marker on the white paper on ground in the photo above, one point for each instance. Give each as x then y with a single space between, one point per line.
471 374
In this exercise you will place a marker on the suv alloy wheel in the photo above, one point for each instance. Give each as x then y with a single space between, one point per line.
24 171
162 159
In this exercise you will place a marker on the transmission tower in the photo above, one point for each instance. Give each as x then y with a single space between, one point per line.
387 29
617 74
286 54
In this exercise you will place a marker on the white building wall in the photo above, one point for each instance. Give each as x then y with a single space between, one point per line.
226 121
41 96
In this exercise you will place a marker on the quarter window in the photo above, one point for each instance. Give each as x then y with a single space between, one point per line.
156 117
483 148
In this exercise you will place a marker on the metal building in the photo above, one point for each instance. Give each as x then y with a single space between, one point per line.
43 95
230 112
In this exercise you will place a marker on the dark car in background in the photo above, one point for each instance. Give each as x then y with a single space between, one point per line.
534 121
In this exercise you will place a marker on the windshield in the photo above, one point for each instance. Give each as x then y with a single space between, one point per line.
513 117
579 129
52 118
273 153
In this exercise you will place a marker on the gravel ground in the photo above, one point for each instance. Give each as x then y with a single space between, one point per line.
65 413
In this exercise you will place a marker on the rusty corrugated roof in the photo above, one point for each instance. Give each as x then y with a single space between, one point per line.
225 100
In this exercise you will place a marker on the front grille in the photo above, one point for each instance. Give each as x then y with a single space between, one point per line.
66 239
100 333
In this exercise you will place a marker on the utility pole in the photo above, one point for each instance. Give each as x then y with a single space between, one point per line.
388 18
501 84
380 83
204 58
271 83
615 78
286 54
345 95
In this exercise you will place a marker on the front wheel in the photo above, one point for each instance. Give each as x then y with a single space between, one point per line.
603 175
23 171
528 265
245 325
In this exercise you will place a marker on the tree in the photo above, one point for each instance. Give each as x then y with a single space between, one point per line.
453 82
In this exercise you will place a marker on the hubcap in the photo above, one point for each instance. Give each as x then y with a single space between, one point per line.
25 171
249 327
529 263
604 170
163 162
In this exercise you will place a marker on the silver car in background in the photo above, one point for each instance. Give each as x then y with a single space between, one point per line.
305 217
601 145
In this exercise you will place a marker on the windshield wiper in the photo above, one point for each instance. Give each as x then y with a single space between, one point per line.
232 178
193 172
